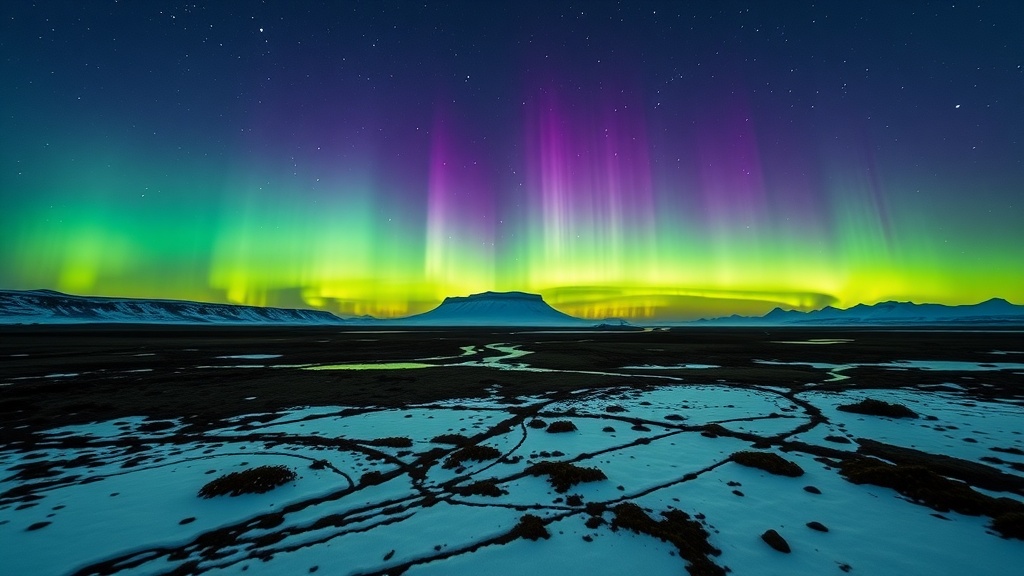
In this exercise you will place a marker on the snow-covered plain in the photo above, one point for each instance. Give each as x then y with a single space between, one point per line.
122 496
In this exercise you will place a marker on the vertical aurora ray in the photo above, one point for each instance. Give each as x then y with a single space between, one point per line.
590 196
460 230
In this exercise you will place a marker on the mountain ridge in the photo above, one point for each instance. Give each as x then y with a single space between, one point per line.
51 307
991 312
481 309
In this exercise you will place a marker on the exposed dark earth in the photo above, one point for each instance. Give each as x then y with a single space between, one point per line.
184 450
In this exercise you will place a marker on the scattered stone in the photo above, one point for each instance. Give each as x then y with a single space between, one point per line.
561 426
769 462
812 489
389 555
607 429
737 492
574 500
37 526
815 525
873 407
536 423
613 409
593 522
188 520
640 428
776 541
563 475
252 481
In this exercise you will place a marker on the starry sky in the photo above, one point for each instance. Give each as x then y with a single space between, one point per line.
666 160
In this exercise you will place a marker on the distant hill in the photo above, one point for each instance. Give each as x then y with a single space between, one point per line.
994 312
49 307
494 309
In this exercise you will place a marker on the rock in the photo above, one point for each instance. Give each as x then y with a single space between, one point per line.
776 541
815 525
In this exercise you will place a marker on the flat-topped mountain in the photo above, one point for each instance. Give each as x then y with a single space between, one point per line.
50 307
494 309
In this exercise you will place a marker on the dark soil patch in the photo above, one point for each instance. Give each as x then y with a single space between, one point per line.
714 431
561 426
453 439
769 462
974 473
688 536
252 481
1010 525
563 475
530 527
872 407
476 453
481 488
924 486
776 541
392 442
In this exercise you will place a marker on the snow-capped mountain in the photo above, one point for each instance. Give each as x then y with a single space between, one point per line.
994 312
49 307
494 309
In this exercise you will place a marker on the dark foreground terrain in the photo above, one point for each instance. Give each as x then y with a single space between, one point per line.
182 371
290 450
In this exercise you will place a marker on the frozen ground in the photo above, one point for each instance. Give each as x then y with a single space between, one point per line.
382 490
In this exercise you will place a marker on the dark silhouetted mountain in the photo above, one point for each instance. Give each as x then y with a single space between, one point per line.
494 309
994 312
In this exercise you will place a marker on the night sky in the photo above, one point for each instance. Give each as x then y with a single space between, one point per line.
636 159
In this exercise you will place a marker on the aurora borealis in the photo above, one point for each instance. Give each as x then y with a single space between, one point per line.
638 159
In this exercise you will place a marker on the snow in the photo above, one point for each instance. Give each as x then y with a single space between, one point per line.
128 488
